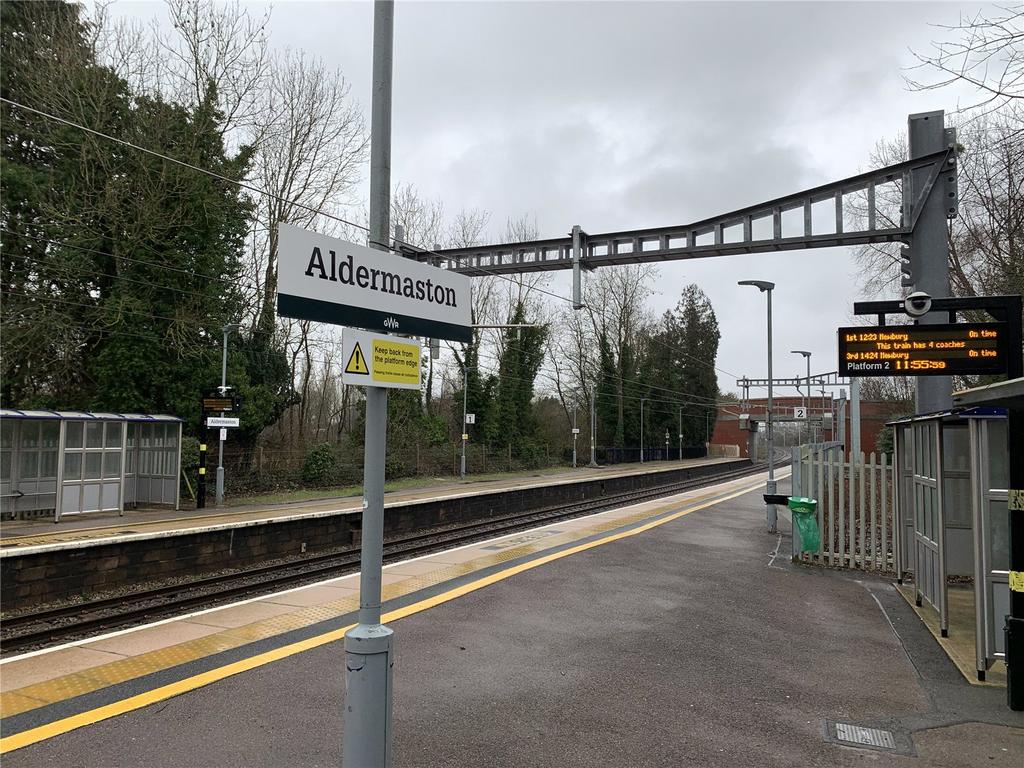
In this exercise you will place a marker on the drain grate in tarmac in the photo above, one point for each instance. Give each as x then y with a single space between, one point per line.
867 737
852 735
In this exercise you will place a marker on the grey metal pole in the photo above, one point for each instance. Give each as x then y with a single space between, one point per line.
680 433
642 429
855 417
807 408
220 451
772 512
593 427
926 133
368 646
575 434
465 391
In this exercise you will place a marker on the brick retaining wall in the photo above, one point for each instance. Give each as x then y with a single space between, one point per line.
35 578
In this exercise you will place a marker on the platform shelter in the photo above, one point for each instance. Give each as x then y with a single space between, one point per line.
71 462
952 476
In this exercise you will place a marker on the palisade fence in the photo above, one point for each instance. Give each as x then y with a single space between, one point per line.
856 511
282 468
267 468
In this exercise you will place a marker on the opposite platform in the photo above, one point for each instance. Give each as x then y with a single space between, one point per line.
20 535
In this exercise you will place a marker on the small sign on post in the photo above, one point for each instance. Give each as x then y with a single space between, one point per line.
471 418
375 360
222 421
799 412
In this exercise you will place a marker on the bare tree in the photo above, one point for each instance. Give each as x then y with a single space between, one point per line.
310 157
986 52
986 240
421 219
218 43
893 389
616 318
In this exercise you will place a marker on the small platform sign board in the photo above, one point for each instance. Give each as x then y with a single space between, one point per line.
375 360
799 412
222 421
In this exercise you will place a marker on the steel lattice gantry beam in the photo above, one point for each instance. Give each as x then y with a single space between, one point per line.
729 234
830 379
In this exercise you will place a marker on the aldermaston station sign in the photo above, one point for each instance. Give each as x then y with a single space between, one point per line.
333 281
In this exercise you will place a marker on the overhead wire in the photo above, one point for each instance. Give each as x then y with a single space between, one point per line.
83 270
310 209
254 189
130 259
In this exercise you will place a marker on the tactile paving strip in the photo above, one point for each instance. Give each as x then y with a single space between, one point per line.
94 678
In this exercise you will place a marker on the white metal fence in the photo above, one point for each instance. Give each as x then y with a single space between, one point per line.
855 507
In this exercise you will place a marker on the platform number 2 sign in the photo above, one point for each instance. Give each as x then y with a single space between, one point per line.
800 413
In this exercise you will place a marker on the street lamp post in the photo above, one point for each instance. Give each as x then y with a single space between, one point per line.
680 433
642 399
465 390
766 287
593 427
575 434
807 402
227 329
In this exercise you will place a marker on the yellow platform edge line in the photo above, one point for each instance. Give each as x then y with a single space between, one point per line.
56 728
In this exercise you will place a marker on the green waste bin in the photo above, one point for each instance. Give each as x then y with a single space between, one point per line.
805 520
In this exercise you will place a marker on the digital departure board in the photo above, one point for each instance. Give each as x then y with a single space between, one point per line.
957 349
220 404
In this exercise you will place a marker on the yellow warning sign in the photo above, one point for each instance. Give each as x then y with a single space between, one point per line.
375 360
356 361
395 362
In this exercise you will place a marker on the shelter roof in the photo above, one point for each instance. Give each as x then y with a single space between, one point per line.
14 413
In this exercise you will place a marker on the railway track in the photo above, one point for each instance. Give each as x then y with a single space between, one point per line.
46 627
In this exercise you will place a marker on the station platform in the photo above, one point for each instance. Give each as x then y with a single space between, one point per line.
671 632
22 534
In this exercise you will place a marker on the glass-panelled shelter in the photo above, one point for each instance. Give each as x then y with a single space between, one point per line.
70 462
952 518
990 461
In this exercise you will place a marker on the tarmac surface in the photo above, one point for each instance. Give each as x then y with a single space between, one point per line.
695 643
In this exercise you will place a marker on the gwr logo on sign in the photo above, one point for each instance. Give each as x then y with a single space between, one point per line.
380 361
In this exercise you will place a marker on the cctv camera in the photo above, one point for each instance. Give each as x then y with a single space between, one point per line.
917 304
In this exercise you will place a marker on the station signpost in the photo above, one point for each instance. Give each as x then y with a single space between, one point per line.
211 402
328 280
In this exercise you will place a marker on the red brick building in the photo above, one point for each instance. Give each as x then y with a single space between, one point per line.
873 416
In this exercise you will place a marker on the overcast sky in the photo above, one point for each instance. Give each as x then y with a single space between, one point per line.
625 115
